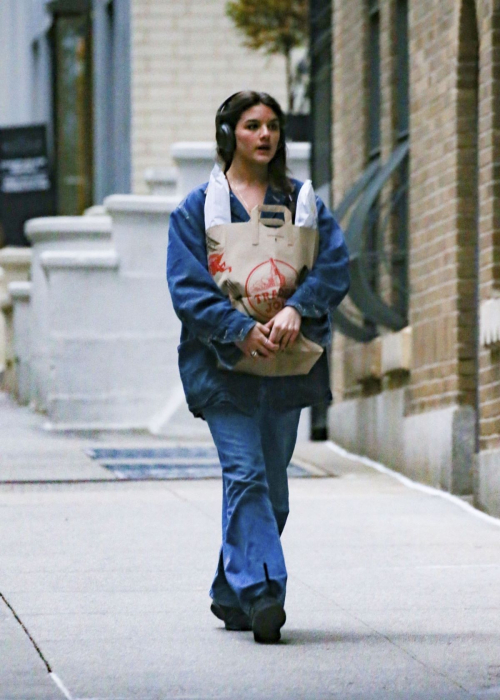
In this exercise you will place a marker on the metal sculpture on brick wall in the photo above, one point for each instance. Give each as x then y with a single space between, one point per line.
374 217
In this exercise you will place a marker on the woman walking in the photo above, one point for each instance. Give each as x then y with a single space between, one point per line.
253 419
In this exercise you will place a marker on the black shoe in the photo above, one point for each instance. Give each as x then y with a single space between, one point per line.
234 619
267 617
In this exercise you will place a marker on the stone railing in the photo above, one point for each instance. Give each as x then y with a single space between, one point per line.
113 332
19 379
15 266
61 233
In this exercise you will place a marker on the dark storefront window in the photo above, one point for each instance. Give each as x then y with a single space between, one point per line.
373 79
321 96
373 132
399 266
402 69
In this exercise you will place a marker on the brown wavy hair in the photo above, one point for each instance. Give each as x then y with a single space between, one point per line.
230 113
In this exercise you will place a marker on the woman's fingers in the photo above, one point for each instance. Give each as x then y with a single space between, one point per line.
277 334
286 323
288 338
266 347
285 340
293 337
279 330
285 334
265 329
257 342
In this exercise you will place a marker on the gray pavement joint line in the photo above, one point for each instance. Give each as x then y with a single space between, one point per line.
114 480
51 673
26 631
410 483
387 638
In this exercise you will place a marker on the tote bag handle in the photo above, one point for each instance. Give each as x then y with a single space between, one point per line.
256 219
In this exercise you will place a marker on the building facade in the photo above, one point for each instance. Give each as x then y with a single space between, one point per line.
117 82
415 118
187 57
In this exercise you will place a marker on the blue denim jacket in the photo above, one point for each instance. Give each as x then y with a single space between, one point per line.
211 326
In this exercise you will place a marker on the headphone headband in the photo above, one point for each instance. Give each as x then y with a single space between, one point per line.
226 102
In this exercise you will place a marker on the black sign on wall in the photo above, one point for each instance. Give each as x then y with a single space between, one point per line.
26 185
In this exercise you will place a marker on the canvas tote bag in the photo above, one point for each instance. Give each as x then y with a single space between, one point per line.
259 264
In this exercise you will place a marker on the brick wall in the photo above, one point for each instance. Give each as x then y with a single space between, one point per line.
349 109
434 205
186 59
442 184
349 140
454 124
352 76
445 194
489 193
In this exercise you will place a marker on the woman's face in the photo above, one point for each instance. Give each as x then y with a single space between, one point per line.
257 134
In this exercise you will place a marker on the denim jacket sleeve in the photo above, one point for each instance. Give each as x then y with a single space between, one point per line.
328 281
198 302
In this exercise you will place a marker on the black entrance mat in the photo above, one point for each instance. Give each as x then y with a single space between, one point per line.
175 462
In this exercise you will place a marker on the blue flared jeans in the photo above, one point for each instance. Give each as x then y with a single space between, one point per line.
254 452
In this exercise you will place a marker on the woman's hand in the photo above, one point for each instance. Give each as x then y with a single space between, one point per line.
257 341
285 327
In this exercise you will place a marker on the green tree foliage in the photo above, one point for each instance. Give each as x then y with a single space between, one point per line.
275 26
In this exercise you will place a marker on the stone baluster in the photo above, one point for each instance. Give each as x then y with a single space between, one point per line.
113 331
62 233
19 377
15 266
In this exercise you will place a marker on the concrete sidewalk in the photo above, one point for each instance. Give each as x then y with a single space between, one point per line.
393 593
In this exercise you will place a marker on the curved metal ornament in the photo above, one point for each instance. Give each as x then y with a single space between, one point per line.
363 334
367 190
361 292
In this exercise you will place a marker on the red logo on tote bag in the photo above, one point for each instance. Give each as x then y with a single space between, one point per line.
269 285
216 264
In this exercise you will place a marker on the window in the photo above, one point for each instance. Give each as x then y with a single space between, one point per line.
373 79
402 69
401 98
321 96
373 133
73 111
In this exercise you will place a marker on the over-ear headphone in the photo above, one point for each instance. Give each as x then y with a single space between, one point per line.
224 132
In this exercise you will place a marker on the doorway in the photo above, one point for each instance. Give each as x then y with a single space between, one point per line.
72 50
468 211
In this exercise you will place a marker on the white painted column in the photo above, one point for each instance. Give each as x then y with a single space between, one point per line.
140 235
55 233
113 333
